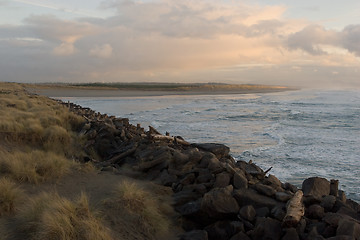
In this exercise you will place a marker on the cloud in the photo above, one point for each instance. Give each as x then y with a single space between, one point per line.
64 49
194 19
312 39
51 28
103 51
350 38
169 40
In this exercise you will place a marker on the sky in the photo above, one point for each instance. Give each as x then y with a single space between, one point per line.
279 42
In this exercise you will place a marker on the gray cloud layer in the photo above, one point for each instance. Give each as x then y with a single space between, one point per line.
165 37
312 37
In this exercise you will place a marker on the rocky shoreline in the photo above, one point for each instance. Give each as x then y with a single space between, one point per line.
216 196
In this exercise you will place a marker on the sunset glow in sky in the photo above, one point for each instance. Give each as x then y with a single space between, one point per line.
294 43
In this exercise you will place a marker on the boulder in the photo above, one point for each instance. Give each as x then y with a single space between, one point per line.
219 203
220 150
239 180
195 235
251 197
329 231
319 226
332 219
346 210
315 211
224 230
162 158
278 212
240 236
272 181
182 197
266 228
328 202
254 171
205 178
264 189
334 187
262 212
349 227
290 187
209 161
198 188
222 179
353 205
192 208
316 187
283 196
341 237
194 154
342 196
180 158
187 179
300 228
290 234
166 179
248 213
314 235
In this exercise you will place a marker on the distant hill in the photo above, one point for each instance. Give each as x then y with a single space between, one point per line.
156 86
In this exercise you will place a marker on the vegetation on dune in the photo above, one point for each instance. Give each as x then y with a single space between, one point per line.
39 137
142 209
50 216
34 166
10 195
41 142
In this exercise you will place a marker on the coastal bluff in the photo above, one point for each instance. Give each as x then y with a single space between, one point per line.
215 196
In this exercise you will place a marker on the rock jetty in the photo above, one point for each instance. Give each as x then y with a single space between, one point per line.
217 197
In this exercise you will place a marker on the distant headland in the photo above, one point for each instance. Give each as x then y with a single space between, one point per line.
148 89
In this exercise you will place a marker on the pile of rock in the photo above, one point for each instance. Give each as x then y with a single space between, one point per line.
218 197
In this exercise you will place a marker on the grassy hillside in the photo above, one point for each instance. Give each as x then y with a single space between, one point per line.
47 192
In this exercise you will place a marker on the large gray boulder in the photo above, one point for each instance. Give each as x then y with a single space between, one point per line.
290 234
219 203
264 189
267 228
316 187
349 227
248 213
220 150
240 180
222 179
251 197
224 230
315 211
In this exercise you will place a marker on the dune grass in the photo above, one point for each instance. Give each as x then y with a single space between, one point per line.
10 195
40 143
50 216
40 139
32 119
33 167
143 209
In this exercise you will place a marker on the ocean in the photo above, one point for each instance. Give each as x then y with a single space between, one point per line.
299 134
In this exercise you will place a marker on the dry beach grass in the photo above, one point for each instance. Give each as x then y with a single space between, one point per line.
45 190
